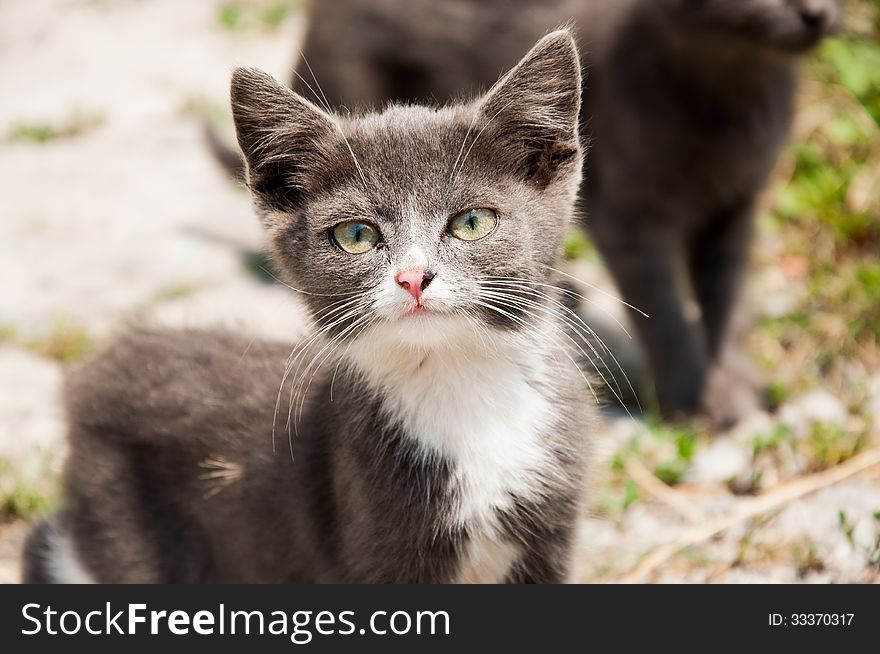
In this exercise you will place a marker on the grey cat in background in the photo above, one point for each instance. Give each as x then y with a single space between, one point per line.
438 429
689 107
686 106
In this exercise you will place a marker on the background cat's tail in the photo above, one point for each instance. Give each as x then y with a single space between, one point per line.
228 158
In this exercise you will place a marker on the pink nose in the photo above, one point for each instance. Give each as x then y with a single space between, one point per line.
414 282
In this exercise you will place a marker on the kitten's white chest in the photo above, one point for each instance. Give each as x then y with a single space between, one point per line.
494 435
490 422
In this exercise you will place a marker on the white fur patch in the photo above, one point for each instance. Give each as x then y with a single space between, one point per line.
486 561
414 258
62 562
479 404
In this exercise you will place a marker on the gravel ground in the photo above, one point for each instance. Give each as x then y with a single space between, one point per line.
125 218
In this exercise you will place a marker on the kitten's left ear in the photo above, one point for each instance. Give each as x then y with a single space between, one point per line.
533 110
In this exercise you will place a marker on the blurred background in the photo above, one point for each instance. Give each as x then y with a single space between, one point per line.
113 212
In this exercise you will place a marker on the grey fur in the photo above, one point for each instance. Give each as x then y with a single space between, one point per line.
172 475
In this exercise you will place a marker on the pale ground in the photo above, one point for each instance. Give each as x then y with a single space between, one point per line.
131 221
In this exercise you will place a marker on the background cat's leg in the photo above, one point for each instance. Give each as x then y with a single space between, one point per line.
717 259
644 261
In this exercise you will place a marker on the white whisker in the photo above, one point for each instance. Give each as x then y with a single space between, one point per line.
598 290
299 290
335 121
531 328
298 350
513 282
522 305
479 134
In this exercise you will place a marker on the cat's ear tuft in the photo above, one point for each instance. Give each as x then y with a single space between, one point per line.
281 134
533 109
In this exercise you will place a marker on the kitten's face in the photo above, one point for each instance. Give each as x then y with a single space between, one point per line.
418 220
416 241
786 25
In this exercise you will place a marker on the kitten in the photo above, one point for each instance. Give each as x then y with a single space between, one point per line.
687 107
438 431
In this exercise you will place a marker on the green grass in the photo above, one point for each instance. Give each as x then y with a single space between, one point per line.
23 499
806 559
41 131
618 497
175 292
34 132
230 16
66 343
24 502
681 443
256 14
765 442
7 333
831 444
216 113
579 246
778 393
854 62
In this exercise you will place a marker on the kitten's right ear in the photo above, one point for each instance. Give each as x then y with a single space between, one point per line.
282 135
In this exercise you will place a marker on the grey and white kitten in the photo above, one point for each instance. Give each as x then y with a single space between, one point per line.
438 428
687 106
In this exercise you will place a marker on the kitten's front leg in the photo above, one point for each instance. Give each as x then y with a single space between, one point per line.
538 569
546 532
550 561
642 251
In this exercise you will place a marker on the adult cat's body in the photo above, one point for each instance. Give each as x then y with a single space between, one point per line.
438 429
688 111
687 105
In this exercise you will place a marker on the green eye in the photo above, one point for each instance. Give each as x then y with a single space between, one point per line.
355 237
473 224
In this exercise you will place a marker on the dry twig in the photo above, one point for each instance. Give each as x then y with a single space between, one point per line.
646 481
774 499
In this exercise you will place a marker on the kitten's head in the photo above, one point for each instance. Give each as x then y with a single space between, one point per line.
416 220
785 25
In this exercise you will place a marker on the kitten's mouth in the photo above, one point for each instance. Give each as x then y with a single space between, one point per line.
417 310
424 311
